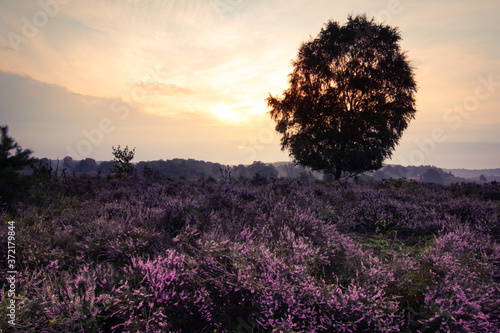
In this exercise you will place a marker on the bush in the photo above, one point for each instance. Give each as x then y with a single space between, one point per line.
122 167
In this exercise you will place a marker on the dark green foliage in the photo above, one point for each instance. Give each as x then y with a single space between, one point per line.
351 96
122 167
16 161
12 184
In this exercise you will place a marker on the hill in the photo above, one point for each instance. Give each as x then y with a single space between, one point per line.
475 175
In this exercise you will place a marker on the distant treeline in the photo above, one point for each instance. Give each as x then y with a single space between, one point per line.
432 174
195 169
174 168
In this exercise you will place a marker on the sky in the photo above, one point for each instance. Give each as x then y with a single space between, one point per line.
189 79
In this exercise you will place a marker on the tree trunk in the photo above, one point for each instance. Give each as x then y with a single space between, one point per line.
338 169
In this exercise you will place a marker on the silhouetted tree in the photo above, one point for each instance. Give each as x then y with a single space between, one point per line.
121 163
9 161
88 165
106 167
240 172
69 163
147 172
42 170
225 172
266 171
350 98
12 159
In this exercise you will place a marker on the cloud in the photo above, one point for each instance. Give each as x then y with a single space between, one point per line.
109 49
244 147
158 88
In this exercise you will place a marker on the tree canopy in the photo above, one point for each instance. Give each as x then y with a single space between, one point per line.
350 97
122 167
12 159
8 160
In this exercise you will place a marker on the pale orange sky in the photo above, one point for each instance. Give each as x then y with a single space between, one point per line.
188 79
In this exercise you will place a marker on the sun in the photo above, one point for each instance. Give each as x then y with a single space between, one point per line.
225 113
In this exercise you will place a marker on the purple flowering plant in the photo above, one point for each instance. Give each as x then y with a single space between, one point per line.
169 255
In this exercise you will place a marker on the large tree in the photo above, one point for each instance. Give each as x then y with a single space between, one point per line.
350 97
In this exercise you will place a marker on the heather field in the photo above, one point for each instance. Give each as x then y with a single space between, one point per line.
143 255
